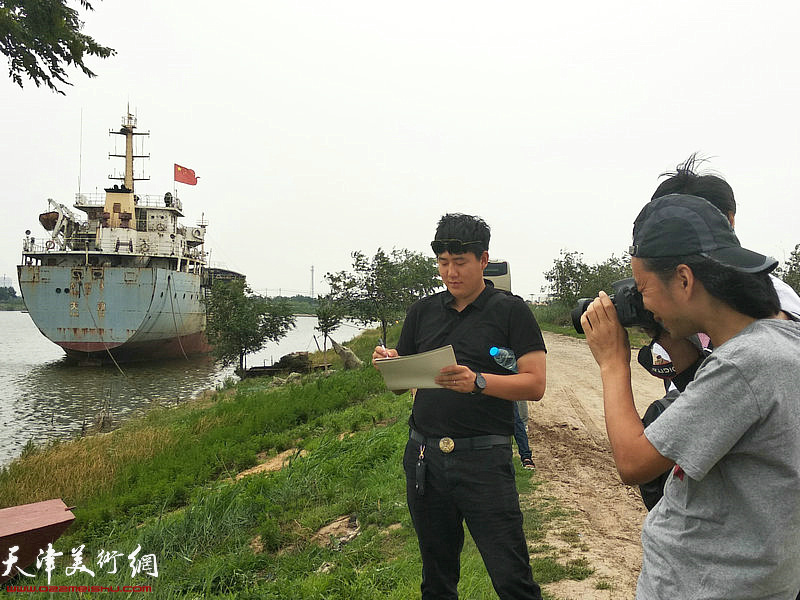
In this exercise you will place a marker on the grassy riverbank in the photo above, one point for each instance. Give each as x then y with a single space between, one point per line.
168 484
16 304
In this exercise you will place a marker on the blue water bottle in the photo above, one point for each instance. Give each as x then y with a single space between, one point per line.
504 357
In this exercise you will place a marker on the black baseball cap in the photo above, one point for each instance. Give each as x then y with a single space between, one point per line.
683 225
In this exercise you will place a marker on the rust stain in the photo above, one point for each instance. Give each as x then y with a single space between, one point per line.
80 332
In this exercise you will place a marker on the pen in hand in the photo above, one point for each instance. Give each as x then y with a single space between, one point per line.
383 347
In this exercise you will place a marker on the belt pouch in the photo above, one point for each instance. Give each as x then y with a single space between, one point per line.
419 476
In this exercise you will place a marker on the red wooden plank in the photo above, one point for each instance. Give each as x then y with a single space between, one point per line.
16 519
31 527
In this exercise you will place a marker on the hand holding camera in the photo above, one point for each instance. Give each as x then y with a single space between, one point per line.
607 340
630 309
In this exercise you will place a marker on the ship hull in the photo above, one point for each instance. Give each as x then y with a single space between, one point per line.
130 313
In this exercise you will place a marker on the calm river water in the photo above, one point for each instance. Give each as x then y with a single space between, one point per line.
42 397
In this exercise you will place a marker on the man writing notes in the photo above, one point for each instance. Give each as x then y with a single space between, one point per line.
458 460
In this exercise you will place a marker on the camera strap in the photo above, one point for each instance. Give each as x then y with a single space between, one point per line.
452 330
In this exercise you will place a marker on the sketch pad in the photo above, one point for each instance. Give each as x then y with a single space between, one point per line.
415 370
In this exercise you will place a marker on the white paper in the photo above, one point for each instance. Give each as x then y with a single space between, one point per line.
415 370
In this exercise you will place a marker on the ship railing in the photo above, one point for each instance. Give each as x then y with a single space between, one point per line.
91 199
155 201
73 244
195 254
30 245
148 200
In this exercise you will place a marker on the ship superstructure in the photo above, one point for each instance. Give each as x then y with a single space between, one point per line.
126 280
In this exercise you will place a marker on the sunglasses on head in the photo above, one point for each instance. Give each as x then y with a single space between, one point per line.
451 246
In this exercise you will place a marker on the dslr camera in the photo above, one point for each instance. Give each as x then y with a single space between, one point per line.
628 302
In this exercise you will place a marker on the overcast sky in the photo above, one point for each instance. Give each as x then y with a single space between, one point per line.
319 128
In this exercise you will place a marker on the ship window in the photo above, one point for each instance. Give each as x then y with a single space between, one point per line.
184 295
162 294
58 290
117 207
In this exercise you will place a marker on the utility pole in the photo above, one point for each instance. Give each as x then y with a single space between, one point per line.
312 281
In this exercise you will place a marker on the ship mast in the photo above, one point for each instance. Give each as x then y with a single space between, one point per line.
127 129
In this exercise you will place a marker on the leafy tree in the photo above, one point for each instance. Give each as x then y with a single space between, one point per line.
790 272
303 304
571 278
383 287
240 323
601 275
300 304
8 294
329 315
42 37
567 276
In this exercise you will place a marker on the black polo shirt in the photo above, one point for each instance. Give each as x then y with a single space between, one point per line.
432 322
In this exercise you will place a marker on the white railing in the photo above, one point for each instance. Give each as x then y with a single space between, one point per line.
170 249
147 201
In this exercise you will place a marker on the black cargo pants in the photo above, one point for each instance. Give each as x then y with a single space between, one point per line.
477 487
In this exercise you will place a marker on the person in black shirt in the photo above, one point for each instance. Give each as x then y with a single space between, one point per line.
458 459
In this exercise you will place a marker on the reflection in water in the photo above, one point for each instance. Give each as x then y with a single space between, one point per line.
62 398
44 397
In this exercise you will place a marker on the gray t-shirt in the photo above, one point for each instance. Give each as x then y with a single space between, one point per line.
728 526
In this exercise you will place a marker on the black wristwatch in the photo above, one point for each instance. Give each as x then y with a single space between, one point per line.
480 384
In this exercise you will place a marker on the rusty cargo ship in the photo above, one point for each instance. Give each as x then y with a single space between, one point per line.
122 282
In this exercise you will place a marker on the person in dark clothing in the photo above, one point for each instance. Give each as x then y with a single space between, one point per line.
458 460
521 436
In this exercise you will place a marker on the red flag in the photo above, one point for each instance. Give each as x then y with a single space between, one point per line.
184 175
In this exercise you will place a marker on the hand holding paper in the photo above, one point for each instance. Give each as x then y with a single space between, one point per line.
416 370
457 378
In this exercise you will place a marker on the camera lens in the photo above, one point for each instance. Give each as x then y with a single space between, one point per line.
577 313
627 301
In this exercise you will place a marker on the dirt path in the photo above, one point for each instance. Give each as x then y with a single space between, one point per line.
571 451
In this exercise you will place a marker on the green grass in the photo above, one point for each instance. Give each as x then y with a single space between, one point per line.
166 483
15 305
554 313
603 584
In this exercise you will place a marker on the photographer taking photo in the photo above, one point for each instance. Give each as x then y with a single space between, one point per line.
679 358
728 526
